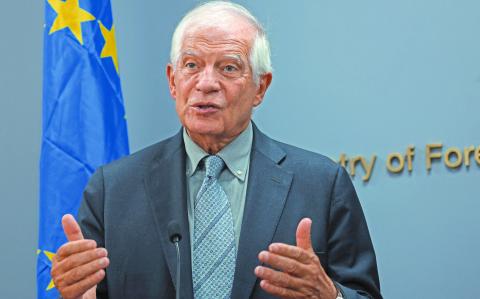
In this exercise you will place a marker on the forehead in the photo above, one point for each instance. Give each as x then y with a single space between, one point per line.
233 38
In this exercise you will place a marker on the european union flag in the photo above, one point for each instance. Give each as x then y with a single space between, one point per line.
83 115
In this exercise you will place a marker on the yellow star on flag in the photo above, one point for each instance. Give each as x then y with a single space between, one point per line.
110 47
50 256
71 16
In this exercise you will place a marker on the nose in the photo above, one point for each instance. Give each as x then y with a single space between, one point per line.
207 81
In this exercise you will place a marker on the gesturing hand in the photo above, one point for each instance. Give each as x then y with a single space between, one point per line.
79 265
299 273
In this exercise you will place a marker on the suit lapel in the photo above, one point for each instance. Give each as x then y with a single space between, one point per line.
165 184
268 186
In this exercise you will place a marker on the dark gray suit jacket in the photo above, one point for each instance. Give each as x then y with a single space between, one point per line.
128 204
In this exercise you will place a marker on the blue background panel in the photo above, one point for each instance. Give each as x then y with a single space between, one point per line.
354 77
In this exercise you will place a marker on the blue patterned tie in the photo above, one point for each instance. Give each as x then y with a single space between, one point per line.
214 250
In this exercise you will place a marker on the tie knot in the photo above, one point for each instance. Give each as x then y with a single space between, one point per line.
213 166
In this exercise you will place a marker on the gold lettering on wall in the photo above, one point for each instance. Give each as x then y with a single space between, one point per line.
396 162
468 152
430 154
395 158
477 155
362 162
453 152
410 155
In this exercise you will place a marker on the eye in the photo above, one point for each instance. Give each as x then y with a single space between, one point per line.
190 65
230 68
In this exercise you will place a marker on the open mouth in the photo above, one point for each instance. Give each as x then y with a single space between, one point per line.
206 107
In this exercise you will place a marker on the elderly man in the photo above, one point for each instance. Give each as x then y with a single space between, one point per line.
259 218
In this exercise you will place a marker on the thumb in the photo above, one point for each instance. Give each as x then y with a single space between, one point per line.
303 234
71 228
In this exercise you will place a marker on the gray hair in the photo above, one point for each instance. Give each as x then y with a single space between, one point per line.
214 12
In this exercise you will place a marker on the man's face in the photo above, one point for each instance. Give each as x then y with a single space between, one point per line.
212 82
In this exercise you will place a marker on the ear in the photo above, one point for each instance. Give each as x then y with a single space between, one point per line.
171 80
262 87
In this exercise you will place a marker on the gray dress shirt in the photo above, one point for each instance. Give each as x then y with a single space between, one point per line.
233 178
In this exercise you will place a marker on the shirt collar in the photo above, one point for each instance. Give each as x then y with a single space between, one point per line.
236 154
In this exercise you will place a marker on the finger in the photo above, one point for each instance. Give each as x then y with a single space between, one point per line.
279 291
303 234
82 286
71 228
73 247
79 273
278 278
78 259
292 252
284 264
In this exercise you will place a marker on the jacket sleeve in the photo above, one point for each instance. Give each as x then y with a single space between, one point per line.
351 257
90 219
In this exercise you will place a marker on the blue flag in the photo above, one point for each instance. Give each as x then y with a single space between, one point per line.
84 122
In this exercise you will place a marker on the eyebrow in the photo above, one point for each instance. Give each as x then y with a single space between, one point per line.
236 57
189 53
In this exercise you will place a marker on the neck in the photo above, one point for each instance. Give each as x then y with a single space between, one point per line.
212 144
